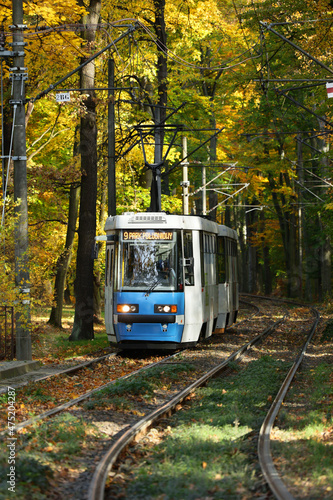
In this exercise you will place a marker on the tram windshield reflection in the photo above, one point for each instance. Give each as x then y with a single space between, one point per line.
148 261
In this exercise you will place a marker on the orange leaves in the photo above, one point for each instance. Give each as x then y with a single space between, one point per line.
40 397
48 448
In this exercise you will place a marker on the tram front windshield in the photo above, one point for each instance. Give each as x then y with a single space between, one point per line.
148 260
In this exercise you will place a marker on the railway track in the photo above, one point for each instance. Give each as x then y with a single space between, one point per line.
269 470
97 485
96 490
53 371
74 401
207 360
79 368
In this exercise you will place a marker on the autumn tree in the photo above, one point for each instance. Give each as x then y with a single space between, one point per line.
46 59
231 70
84 282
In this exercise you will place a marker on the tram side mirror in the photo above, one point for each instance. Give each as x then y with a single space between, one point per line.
187 262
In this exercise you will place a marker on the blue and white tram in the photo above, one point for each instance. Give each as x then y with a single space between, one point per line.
170 280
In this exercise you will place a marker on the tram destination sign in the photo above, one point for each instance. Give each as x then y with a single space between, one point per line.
147 235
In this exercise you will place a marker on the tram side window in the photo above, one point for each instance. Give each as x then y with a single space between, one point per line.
234 260
228 253
208 259
202 259
231 258
221 261
188 256
107 266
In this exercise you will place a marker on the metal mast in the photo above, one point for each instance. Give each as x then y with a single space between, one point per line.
22 278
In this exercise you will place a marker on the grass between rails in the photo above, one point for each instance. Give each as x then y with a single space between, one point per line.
303 437
144 385
208 452
44 395
46 454
50 450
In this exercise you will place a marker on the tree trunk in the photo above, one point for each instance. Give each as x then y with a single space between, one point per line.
288 226
326 268
83 327
317 244
267 274
65 258
325 249
212 196
240 218
251 257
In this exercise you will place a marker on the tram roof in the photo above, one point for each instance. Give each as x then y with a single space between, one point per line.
161 220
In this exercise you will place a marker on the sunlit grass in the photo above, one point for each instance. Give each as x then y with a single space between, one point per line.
303 442
50 343
142 384
207 453
48 449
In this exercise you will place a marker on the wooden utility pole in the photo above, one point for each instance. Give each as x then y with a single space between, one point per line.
22 278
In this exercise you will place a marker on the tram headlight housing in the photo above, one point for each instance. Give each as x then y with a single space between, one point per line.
127 308
165 308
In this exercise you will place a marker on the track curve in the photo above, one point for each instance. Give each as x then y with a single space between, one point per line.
97 485
268 468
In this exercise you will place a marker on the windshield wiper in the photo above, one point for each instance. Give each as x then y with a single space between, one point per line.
154 285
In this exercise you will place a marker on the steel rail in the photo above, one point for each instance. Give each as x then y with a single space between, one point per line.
71 369
84 396
97 485
268 468
252 315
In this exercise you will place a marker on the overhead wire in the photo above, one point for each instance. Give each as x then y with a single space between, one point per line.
171 55
266 64
182 61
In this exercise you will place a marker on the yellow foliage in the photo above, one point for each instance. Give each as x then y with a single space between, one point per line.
53 11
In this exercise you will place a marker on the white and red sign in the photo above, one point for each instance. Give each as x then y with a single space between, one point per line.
329 88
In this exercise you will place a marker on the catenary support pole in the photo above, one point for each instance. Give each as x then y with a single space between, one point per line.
155 202
204 205
111 142
22 278
185 182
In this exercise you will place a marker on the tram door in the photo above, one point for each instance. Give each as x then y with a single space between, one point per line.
193 308
109 275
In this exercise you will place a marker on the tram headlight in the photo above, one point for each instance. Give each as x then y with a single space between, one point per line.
127 308
165 308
